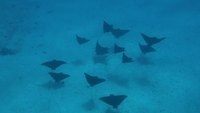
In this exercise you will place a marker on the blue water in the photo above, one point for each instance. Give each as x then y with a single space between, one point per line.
36 31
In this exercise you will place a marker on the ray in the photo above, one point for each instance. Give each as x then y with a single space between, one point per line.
151 40
113 100
58 77
81 40
101 50
107 27
53 64
146 49
118 49
119 32
93 80
126 59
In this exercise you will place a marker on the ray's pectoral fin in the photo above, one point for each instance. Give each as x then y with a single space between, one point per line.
113 100
100 50
81 40
119 32
118 49
151 40
93 80
53 64
58 77
126 59
107 27
146 49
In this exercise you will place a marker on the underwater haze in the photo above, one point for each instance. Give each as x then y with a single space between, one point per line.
99 56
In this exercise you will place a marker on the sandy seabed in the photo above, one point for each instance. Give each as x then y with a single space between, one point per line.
35 31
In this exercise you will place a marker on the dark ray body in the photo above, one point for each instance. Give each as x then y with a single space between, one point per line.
58 77
100 50
117 32
107 27
126 59
118 49
81 40
146 49
53 64
151 40
113 100
93 80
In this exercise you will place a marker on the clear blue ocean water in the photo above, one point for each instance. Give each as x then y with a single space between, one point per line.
36 31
